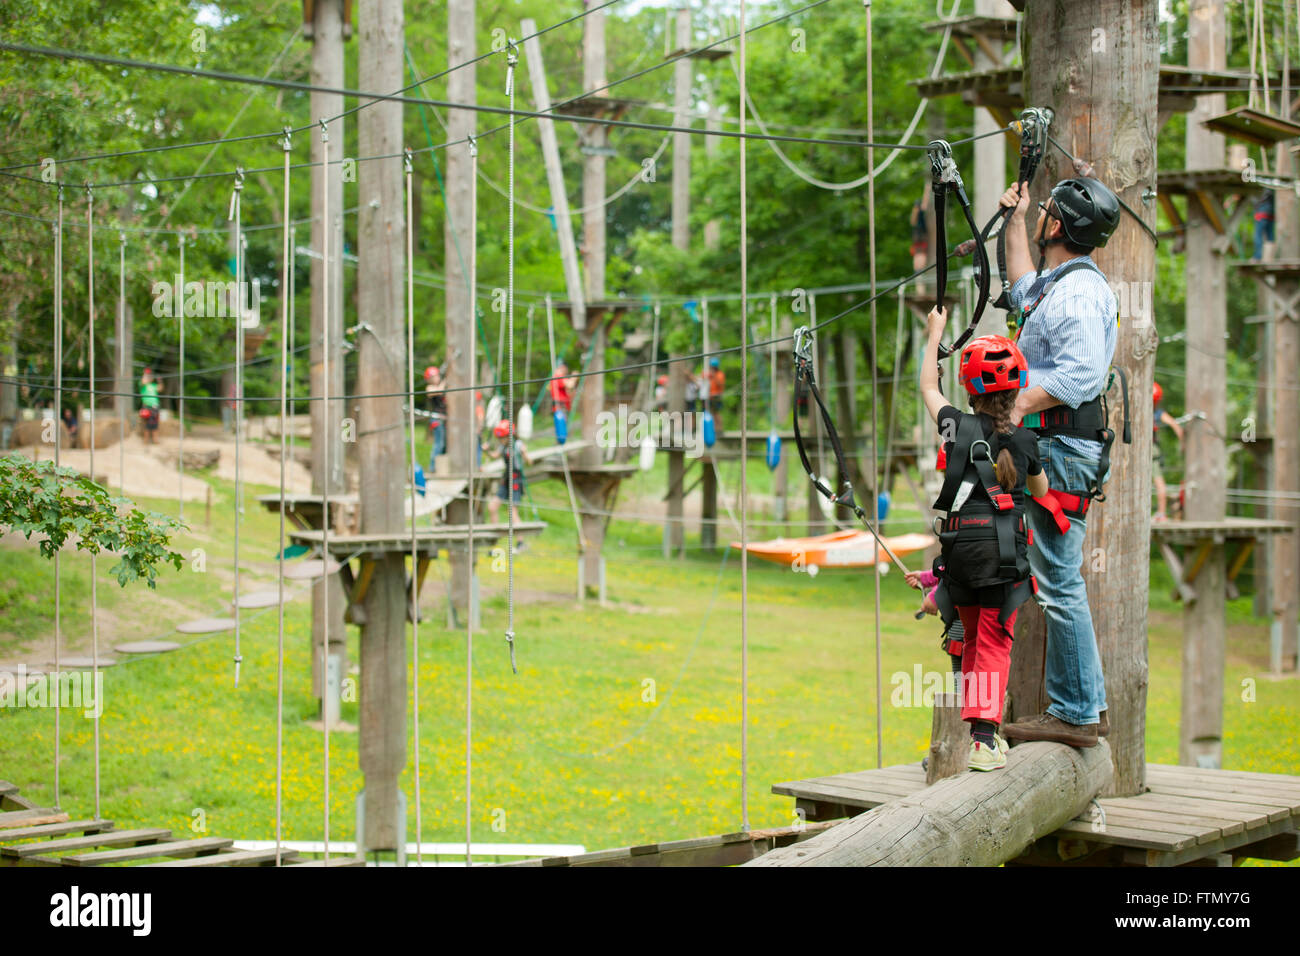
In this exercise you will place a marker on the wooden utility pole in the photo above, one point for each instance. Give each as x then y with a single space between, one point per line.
990 154
381 345
555 177
327 599
1097 66
1200 740
682 74
1285 560
458 256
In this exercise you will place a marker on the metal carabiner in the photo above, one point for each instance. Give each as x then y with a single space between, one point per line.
943 171
803 338
988 450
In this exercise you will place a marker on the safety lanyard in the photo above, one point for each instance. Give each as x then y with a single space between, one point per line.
804 379
945 178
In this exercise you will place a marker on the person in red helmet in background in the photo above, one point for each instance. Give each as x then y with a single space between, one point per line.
515 456
984 568
1161 417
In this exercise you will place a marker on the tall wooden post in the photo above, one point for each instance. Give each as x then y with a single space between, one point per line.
1285 562
682 71
1201 729
327 601
990 155
1097 66
124 364
381 343
458 256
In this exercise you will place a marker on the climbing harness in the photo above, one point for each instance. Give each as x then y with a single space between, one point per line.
805 381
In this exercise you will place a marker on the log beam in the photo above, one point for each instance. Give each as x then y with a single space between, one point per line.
973 819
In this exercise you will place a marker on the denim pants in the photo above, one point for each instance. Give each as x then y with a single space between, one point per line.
1074 680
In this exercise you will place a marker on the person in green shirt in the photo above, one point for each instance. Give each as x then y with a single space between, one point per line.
149 389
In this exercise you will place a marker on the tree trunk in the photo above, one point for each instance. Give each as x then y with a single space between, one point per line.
459 259
327 471
1097 66
381 232
1205 477
972 819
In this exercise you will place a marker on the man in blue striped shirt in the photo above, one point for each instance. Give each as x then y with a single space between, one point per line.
1068 335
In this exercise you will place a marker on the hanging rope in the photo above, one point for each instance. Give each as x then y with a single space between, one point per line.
415 555
327 290
234 216
564 458
286 266
180 399
121 364
58 442
471 436
744 447
875 392
512 57
893 154
94 576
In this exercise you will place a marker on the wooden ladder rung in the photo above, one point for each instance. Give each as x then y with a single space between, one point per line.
106 839
234 858
56 829
334 861
33 817
177 848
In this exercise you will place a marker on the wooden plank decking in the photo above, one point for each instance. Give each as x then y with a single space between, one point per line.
1188 814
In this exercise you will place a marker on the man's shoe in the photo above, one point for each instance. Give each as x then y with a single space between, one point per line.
1047 727
1103 726
984 757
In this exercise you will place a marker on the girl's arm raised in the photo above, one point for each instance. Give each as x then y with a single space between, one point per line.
930 394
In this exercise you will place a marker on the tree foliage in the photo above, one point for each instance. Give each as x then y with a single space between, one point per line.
62 506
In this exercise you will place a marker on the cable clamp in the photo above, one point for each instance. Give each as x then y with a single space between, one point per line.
406 160
324 131
473 145
512 57
288 139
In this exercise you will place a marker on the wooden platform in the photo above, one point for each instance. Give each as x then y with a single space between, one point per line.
729 849
306 511
1253 126
1188 815
1200 538
36 836
973 26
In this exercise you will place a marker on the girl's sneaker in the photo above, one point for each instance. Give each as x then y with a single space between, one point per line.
984 757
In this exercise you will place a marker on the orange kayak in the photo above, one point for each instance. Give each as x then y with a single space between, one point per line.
840 549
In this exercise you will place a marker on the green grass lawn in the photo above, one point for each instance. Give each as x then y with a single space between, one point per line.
568 748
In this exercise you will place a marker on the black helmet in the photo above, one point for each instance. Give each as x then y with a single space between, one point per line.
1087 209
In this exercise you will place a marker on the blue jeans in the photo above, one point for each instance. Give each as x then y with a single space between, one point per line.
1074 680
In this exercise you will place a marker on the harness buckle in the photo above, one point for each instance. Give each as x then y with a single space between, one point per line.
1004 501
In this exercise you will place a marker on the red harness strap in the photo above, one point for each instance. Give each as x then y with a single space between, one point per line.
1062 506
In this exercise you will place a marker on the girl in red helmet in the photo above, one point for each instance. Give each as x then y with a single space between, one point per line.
984 568
515 456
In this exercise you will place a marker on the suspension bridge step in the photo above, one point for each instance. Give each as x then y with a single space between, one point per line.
31 818
334 861
234 857
79 662
256 599
207 625
146 647
109 838
56 829
307 570
177 848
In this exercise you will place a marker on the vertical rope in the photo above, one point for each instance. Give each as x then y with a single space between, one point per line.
286 265
94 577
744 448
564 458
771 379
327 291
471 433
180 398
1254 39
58 441
234 215
415 556
875 393
512 57
121 351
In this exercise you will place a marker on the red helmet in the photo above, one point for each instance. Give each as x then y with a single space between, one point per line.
502 429
1157 392
993 363
428 372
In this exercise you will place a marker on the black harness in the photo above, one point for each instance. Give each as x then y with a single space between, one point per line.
1091 419
982 523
